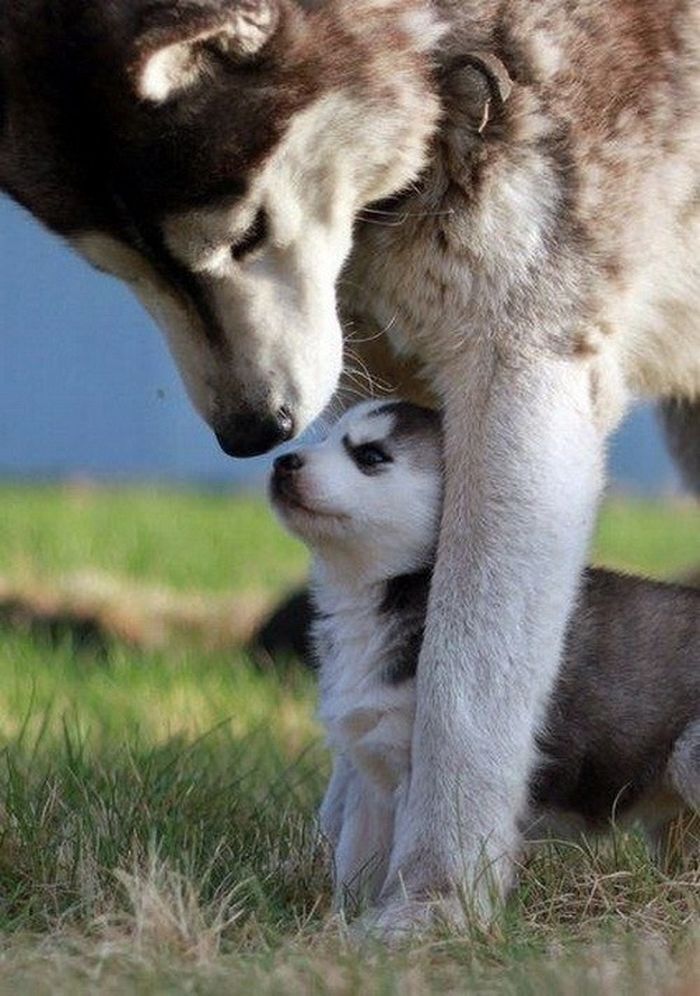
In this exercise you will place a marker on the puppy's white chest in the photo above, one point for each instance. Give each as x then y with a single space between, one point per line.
367 719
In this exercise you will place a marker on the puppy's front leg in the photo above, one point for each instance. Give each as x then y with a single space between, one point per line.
363 849
523 458
330 817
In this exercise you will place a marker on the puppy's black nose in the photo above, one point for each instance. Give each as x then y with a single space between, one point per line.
288 464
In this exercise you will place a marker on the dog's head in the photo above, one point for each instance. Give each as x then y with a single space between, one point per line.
367 499
214 155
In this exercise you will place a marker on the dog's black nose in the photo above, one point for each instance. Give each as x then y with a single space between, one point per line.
246 435
288 464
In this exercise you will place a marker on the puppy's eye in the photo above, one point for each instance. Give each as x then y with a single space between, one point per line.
370 455
253 238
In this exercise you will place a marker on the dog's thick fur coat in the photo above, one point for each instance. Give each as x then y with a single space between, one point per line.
539 268
621 734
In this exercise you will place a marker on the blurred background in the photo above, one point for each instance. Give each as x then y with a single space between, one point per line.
87 388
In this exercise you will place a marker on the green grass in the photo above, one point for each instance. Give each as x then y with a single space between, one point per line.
187 541
214 543
156 809
660 540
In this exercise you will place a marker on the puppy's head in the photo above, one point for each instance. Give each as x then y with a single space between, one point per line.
367 500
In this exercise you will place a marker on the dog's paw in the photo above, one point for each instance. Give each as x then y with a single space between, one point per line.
401 921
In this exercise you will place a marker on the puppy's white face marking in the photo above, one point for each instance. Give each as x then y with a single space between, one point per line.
367 499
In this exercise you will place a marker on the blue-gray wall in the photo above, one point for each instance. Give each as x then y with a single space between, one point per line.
87 386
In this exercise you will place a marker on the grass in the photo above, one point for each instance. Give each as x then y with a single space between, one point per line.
188 541
156 808
213 543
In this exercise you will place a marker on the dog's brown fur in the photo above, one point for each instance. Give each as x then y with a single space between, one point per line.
542 269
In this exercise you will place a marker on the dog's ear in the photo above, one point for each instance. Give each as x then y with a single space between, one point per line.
180 41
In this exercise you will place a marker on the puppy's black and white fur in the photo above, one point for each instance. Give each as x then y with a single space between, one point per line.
621 736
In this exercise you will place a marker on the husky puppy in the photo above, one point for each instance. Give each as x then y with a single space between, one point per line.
620 739
509 189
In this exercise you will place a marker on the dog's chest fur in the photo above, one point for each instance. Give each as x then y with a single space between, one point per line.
572 219
367 641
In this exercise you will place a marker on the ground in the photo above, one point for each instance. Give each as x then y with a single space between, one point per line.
156 802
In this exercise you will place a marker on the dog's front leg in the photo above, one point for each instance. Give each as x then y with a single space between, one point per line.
523 459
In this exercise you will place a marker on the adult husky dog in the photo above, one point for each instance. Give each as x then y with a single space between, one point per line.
540 263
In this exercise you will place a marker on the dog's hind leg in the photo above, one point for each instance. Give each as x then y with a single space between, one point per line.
675 838
681 421
683 770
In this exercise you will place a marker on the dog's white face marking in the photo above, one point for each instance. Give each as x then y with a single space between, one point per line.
367 499
267 267
167 309
276 301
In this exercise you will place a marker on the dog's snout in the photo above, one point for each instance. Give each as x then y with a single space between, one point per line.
246 435
288 464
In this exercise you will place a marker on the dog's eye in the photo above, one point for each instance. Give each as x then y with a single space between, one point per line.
370 455
254 237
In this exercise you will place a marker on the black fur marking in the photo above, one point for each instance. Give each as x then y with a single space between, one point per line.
73 89
405 665
147 239
406 603
406 594
410 418
415 434
255 236
629 686
368 469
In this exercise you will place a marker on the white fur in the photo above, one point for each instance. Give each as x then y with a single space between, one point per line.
167 71
369 720
178 66
357 539
277 307
362 531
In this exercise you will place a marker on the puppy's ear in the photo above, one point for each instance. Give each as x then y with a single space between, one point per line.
181 40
